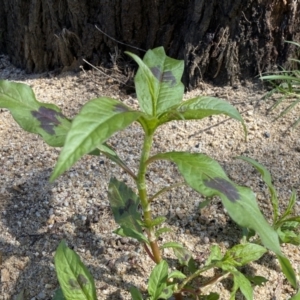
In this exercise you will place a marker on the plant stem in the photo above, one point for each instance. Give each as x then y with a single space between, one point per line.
141 184
148 252
193 276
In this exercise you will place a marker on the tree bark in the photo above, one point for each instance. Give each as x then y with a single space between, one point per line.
221 41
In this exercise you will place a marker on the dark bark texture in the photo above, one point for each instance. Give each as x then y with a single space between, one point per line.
221 41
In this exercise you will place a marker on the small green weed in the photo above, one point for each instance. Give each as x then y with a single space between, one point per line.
286 83
286 225
159 92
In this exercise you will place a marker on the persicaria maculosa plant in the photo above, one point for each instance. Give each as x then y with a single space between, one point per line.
159 91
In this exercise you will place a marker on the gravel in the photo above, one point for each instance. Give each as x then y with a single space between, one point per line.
36 215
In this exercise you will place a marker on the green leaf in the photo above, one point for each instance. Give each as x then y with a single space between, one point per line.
171 245
162 230
281 77
208 178
157 280
43 119
288 236
130 232
199 108
266 176
211 296
74 278
290 225
204 203
296 296
241 282
290 206
287 109
157 221
184 255
20 296
124 204
242 254
215 255
97 121
177 274
157 81
58 295
257 280
167 292
248 233
287 270
135 293
293 43
293 219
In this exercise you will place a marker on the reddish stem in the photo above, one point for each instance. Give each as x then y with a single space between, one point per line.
148 252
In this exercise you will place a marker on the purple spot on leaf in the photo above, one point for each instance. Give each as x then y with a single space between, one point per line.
74 284
225 187
81 280
163 77
127 207
48 118
79 283
121 108
156 72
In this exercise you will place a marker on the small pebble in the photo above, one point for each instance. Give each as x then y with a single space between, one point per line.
266 134
41 296
179 213
206 240
5 276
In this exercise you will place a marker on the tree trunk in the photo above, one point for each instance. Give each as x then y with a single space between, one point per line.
221 41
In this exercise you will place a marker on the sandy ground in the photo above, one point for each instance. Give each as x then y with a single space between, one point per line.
35 214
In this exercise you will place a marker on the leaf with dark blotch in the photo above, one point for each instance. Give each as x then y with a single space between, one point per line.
129 204
124 204
48 118
225 187
44 119
96 122
198 171
183 255
74 284
166 76
82 280
74 278
121 108
157 82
